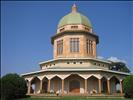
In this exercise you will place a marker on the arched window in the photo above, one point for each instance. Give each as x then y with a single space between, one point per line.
62 29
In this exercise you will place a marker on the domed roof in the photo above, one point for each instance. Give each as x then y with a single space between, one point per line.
74 18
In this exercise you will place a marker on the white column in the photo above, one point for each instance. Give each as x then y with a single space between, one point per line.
99 82
49 85
62 86
40 86
108 85
85 85
29 87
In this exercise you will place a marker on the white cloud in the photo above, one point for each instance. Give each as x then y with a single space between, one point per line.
100 57
115 59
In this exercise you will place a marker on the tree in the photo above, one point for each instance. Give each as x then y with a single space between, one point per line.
13 86
128 86
119 66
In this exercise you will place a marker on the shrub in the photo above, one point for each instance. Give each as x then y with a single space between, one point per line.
13 86
128 86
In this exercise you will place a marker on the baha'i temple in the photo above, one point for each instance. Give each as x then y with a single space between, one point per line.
75 68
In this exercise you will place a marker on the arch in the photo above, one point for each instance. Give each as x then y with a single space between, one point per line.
34 78
72 78
56 76
74 86
44 78
44 85
114 85
92 84
106 77
52 76
113 76
92 75
104 88
35 85
55 84
74 74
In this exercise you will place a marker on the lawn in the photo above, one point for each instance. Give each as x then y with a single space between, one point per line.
74 98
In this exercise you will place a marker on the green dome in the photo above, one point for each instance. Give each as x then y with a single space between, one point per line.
74 18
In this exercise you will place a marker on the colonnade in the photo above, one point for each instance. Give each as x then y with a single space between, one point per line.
108 84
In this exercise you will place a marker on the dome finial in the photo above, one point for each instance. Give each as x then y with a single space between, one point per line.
74 8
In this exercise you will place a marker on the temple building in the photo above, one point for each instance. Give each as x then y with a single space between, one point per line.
75 68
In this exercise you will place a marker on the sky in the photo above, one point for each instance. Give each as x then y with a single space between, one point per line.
27 28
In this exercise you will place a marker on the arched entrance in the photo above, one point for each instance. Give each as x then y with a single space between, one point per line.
104 85
114 85
56 84
92 85
35 85
45 85
74 86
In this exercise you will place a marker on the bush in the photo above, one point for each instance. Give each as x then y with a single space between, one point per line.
128 86
13 86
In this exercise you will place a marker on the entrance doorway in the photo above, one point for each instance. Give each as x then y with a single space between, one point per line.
45 85
74 86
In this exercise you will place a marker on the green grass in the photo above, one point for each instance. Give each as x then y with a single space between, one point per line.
74 98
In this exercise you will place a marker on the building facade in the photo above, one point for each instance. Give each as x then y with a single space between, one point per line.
75 68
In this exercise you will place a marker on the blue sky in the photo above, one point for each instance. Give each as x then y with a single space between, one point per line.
27 26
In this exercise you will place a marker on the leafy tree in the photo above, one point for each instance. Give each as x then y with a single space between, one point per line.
119 66
13 86
128 86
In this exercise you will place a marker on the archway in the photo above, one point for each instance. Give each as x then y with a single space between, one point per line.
104 88
74 86
44 85
114 85
55 85
35 85
92 85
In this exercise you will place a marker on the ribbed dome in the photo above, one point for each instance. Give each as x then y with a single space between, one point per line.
74 18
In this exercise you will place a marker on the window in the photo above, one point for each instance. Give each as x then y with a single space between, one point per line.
74 27
87 29
62 29
89 46
59 47
74 44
